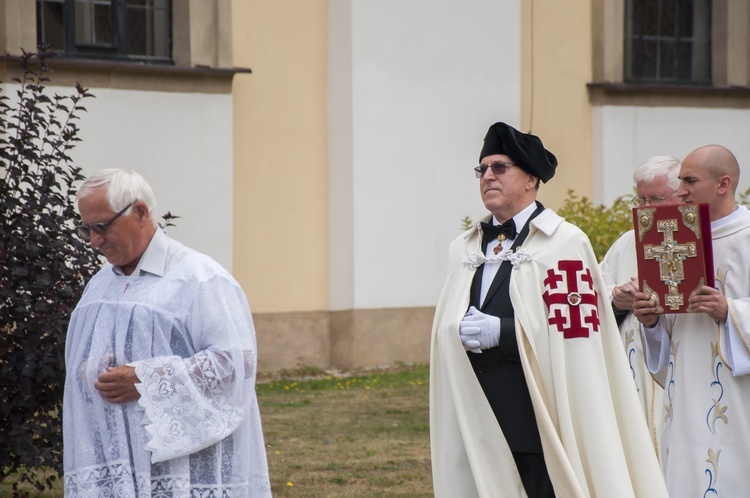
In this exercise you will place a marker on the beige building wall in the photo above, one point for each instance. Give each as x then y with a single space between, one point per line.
556 66
280 186
281 193
16 17
280 213
281 177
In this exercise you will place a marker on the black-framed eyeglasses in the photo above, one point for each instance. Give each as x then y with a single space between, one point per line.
99 228
498 168
654 199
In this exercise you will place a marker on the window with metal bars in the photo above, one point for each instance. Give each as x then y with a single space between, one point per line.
107 29
668 41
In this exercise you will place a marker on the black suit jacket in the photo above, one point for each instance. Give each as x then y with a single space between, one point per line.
499 369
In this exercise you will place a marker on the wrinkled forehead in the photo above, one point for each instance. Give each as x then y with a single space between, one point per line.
658 186
494 158
94 207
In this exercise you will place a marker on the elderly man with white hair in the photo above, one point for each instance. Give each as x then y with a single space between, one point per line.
161 362
656 182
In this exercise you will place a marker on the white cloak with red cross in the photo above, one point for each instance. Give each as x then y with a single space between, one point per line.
594 437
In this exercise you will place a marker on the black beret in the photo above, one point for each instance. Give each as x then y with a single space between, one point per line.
525 149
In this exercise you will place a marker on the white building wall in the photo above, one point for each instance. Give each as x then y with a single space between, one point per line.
425 81
181 143
625 136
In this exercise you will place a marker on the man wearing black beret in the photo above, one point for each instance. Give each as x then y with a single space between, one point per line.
530 393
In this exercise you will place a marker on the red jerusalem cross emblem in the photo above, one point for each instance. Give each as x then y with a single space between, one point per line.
571 299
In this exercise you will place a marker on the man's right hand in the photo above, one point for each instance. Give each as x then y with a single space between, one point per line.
479 331
117 384
644 309
623 296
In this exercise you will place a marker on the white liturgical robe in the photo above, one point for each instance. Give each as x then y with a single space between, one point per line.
618 266
183 322
706 432
594 438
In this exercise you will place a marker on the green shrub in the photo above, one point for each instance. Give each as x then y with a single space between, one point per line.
603 224
744 198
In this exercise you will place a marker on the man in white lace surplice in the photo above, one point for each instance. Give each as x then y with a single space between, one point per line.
161 358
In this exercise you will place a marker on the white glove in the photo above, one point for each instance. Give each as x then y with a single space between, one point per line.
479 331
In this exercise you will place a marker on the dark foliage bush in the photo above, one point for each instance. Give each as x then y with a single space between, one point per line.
43 268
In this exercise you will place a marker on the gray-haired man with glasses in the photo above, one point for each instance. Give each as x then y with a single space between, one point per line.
160 362
656 182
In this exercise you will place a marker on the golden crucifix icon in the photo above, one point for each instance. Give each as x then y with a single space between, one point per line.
670 256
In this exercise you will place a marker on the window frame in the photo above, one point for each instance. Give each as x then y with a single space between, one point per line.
667 45
117 50
730 62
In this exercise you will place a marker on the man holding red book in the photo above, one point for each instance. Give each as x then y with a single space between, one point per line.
704 354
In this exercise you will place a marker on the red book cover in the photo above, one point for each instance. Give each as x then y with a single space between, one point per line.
674 252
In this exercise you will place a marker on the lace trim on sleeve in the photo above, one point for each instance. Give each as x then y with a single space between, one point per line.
186 404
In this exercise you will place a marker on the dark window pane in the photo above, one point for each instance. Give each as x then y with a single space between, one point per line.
103 24
83 22
686 20
51 24
161 33
137 32
685 61
668 40
667 11
650 59
633 16
701 61
93 22
149 31
632 13
666 60
650 18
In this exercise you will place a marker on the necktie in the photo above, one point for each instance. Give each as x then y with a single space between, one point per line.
500 232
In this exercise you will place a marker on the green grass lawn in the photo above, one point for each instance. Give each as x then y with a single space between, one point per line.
357 434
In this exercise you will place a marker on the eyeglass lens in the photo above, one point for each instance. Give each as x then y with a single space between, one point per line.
99 228
498 168
657 199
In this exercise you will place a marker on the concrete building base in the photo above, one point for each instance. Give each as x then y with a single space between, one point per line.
343 339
